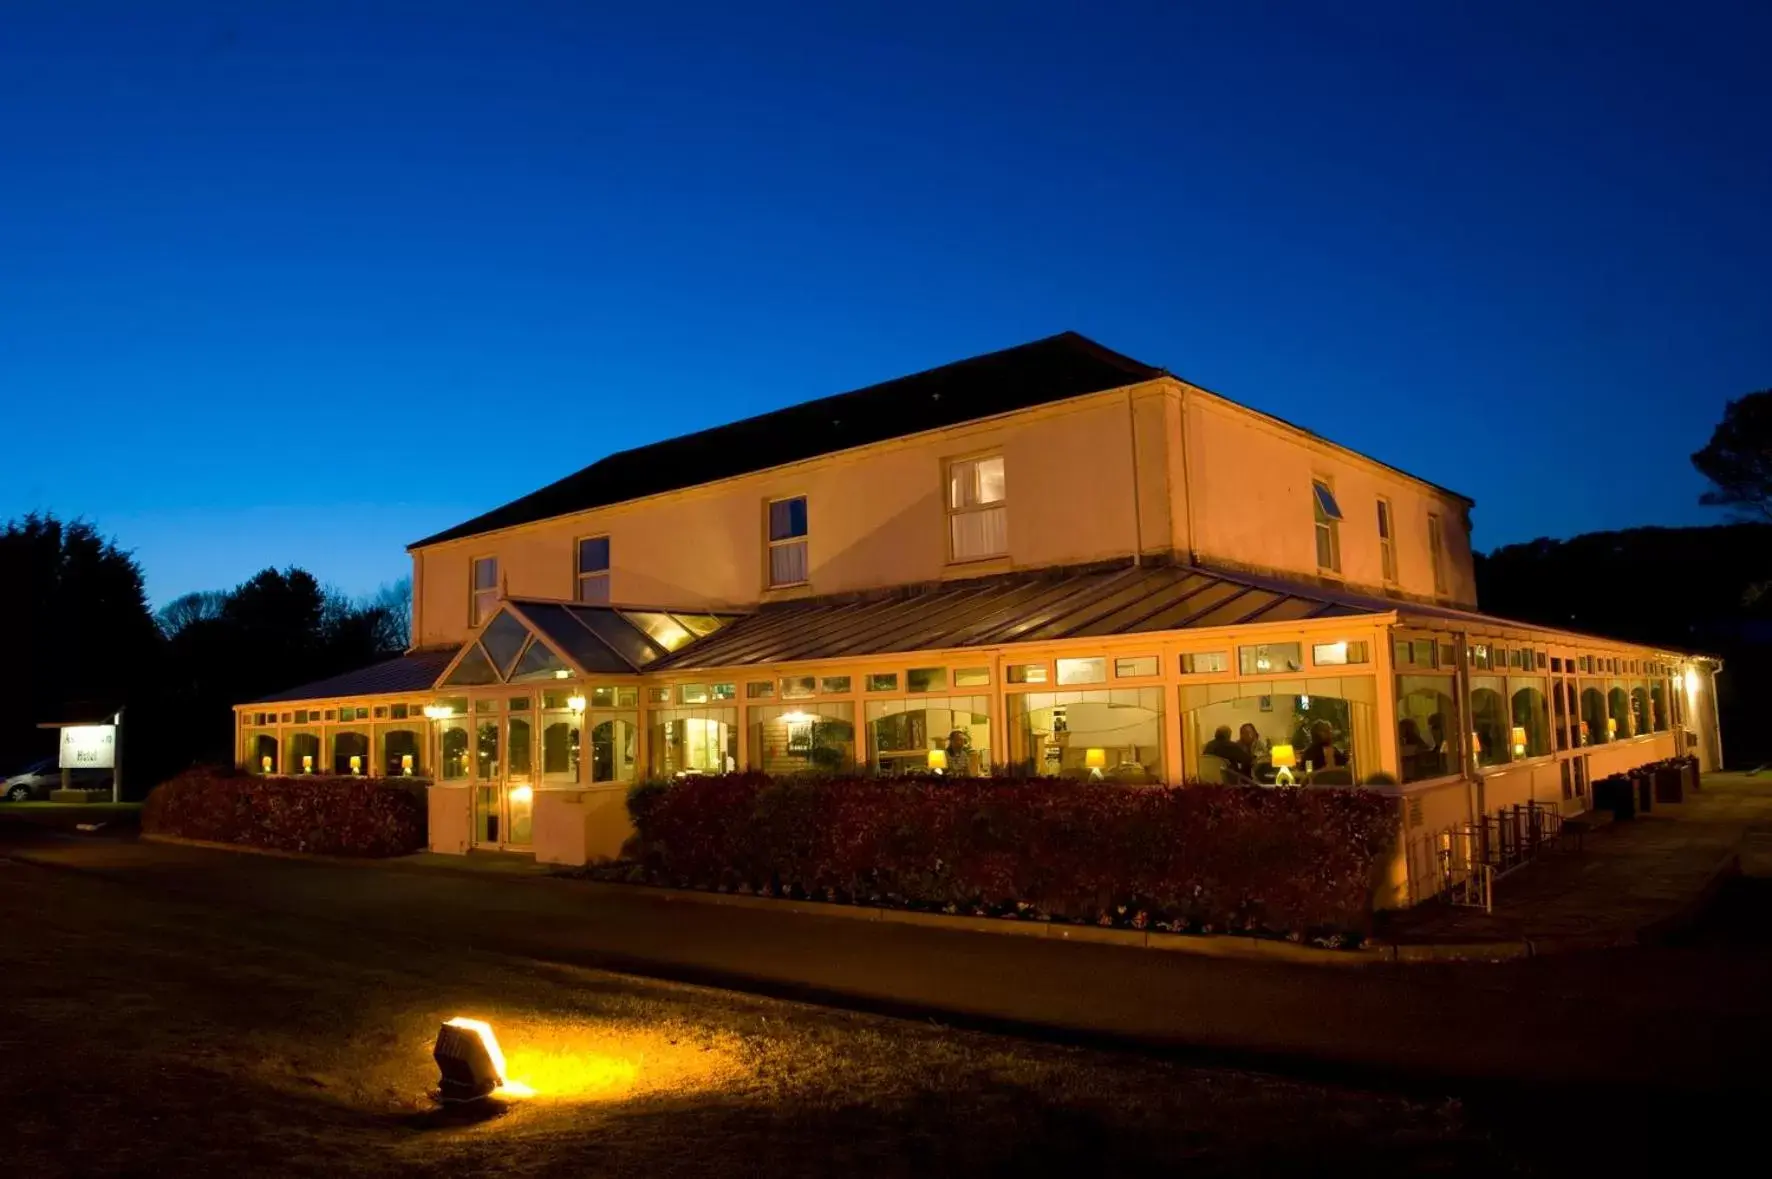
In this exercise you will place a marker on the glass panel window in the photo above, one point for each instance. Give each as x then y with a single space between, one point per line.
1082 671
972 677
603 697
798 687
486 760
978 521
455 751
1268 658
1205 662
686 741
662 629
304 754
1489 720
1593 729
615 746
1658 705
261 752
473 668
692 694
834 684
797 739
520 746
1427 727
724 691
1639 709
1387 542
658 695
485 590
759 690
1328 521
1531 733
930 734
1560 694
627 697
350 753
883 681
1339 653
1113 734
1618 712
787 542
1026 673
560 744
1134 667
1321 731
926 679
593 570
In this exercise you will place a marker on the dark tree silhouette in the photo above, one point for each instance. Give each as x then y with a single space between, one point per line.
80 639
1738 458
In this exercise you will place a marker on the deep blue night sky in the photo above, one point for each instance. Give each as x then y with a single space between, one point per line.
296 283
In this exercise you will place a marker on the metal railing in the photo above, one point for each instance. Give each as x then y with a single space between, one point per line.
1474 855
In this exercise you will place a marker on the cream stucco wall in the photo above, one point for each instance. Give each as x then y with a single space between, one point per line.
1250 479
876 517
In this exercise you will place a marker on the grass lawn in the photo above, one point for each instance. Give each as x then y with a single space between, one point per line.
143 1034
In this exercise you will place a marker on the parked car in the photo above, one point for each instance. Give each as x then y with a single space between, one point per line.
40 777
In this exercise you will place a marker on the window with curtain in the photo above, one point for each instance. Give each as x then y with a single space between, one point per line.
787 542
978 520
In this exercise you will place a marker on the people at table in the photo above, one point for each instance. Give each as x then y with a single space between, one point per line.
1233 753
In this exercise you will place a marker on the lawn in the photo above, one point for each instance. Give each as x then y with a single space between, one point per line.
145 1034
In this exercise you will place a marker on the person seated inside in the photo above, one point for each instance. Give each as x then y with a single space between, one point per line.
1321 753
1250 738
1409 743
1233 754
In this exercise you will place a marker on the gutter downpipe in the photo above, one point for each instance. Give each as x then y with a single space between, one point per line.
1137 516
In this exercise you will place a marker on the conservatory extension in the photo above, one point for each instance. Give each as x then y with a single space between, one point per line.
529 733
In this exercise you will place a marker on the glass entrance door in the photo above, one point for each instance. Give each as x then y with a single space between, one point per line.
504 765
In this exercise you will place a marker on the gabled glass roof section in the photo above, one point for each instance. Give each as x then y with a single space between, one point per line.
529 641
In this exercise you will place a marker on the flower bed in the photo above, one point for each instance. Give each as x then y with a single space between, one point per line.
327 816
1288 863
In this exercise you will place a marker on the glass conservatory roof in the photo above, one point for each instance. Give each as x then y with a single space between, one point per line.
529 640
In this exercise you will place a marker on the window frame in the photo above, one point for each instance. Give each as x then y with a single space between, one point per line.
581 576
955 511
770 544
477 616
1326 523
1387 541
1436 550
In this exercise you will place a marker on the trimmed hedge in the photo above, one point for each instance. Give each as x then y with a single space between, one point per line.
1292 863
322 815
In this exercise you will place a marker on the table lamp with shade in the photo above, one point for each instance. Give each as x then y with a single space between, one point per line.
1096 761
1284 759
938 760
1519 741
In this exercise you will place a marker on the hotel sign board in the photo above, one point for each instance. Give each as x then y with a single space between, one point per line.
89 747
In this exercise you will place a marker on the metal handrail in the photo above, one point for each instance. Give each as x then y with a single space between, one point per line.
1475 854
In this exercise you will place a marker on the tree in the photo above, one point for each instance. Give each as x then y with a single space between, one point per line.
192 607
80 639
1738 458
394 600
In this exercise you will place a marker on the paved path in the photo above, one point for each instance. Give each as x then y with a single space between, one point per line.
1628 878
1687 1018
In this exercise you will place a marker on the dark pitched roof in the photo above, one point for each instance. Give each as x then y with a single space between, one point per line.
1052 369
1012 608
415 671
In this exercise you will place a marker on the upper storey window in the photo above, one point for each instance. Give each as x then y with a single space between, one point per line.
1328 514
485 590
1436 547
1387 542
593 570
787 542
978 515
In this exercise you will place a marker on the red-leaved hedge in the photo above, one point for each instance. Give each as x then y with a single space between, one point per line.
1286 862
327 816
